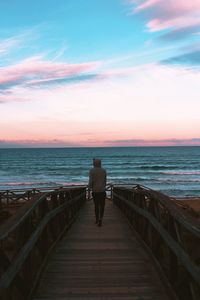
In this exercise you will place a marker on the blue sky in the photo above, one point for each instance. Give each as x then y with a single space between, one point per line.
77 30
125 55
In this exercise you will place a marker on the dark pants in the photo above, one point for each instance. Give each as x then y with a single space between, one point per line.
99 204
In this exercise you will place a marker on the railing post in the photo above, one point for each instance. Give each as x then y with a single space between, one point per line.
7 198
173 257
1 204
87 193
111 192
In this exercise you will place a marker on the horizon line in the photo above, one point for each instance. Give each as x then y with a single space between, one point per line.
77 147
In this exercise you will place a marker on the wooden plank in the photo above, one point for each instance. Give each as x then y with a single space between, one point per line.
105 262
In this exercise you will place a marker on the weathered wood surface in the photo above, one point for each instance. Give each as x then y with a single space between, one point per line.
96 263
27 238
191 205
171 234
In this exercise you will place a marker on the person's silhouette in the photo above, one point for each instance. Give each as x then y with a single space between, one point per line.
97 183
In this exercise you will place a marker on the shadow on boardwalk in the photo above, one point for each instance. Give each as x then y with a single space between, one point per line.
96 263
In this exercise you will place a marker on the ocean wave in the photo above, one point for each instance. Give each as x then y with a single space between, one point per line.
28 183
177 181
165 167
42 183
131 178
182 173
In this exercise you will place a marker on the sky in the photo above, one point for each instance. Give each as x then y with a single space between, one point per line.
99 73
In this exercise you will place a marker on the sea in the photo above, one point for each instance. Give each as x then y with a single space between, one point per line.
175 171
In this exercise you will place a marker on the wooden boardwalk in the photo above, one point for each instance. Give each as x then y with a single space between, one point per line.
96 263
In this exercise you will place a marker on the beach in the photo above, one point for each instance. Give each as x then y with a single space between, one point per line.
191 204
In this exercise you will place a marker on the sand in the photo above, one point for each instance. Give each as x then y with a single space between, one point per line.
192 205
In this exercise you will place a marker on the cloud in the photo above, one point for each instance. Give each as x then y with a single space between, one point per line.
4 98
8 44
54 143
24 39
142 5
37 72
179 34
190 58
177 20
59 81
153 142
171 14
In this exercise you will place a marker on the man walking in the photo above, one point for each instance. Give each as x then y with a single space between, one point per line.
97 183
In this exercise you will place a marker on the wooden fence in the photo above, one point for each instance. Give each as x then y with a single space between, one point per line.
27 238
171 234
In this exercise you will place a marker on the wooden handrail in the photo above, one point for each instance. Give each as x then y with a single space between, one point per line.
181 216
9 196
27 238
172 235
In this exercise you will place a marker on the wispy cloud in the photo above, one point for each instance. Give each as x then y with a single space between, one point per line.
162 14
26 68
153 142
8 44
14 42
37 72
7 97
59 53
179 34
50 82
178 21
54 143
190 58
142 5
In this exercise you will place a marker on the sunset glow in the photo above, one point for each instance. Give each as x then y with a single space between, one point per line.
99 73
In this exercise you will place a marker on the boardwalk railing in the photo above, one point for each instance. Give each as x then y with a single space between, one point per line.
171 234
11 199
8 197
27 238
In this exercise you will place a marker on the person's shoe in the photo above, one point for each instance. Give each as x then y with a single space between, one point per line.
96 222
100 223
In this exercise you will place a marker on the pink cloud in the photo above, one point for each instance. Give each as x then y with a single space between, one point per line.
37 143
169 14
12 98
153 142
146 4
178 23
35 71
